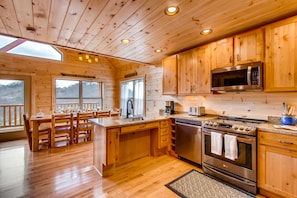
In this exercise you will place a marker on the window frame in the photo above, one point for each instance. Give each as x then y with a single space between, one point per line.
123 107
80 99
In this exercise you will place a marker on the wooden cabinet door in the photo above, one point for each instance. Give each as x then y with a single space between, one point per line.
169 65
201 70
185 72
222 53
249 47
277 171
280 67
277 164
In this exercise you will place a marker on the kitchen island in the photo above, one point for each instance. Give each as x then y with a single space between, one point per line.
121 140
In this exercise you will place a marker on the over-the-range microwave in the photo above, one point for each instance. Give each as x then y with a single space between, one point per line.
245 77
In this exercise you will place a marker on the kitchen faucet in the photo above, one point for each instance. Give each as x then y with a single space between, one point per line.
129 107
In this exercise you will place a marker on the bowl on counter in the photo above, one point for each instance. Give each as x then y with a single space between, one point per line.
288 120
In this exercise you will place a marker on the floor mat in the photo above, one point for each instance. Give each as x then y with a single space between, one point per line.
194 184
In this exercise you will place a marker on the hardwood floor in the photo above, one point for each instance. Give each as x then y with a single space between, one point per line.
68 172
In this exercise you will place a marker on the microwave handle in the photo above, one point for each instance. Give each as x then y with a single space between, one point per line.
249 75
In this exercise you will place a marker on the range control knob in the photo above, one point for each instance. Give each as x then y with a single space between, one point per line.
206 123
215 124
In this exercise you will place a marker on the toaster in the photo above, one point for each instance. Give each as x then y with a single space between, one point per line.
196 111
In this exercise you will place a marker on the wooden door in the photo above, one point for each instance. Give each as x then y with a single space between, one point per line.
201 73
185 72
281 56
169 65
249 47
222 53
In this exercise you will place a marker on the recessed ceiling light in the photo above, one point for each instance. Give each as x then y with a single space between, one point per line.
171 10
206 31
125 41
158 50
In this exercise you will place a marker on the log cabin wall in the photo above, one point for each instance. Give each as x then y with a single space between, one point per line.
44 71
257 105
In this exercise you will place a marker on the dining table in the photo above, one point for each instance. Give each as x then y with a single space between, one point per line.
37 120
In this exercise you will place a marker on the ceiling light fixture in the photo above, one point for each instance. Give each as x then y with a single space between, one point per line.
158 50
87 57
206 31
125 41
171 10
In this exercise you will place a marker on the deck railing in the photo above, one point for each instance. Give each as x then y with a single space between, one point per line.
11 115
67 107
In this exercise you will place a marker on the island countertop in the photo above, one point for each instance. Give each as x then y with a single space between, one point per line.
117 121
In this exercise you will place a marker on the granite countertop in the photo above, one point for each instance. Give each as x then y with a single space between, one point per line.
271 127
117 121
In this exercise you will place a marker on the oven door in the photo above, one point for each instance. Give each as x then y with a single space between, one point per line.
243 166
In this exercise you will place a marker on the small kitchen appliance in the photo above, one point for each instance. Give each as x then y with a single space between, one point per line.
169 107
196 111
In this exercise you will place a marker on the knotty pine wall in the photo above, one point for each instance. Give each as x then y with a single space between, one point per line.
256 105
43 73
111 71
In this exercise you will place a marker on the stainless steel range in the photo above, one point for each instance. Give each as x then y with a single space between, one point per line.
229 151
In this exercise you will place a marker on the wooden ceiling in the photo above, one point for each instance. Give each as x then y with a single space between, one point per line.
98 26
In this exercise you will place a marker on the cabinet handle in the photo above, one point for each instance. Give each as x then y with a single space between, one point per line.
238 57
285 142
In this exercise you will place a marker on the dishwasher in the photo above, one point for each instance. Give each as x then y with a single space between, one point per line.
188 140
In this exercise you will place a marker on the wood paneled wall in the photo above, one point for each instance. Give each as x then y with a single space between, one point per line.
256 105
111 72
43 72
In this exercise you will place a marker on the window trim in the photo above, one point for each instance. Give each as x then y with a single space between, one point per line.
80 84
143 77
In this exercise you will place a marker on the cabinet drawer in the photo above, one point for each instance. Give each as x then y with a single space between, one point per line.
164 124
164 131
164 141
278 140
139 127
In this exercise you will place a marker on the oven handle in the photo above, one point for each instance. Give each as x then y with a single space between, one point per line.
240 139
189 125
232 178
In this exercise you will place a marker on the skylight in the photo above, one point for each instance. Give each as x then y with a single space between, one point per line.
31 48
5 40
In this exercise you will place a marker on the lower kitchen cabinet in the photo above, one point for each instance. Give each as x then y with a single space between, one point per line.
277 164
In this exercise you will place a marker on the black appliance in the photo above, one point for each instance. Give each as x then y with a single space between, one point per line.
242 171
245 77
169 107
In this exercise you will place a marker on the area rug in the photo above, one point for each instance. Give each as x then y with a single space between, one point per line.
194 184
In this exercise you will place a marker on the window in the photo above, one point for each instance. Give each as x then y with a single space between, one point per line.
29 48
133 90
78 95
14 101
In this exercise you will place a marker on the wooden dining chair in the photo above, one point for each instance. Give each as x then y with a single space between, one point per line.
62 128
43 132
83 127
101 114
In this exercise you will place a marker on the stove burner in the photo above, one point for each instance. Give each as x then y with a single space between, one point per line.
233 125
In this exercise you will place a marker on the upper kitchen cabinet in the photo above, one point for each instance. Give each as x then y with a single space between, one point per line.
281 56
194 71
222 53
249 47
169 65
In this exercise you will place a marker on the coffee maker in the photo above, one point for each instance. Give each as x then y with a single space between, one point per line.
169 107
